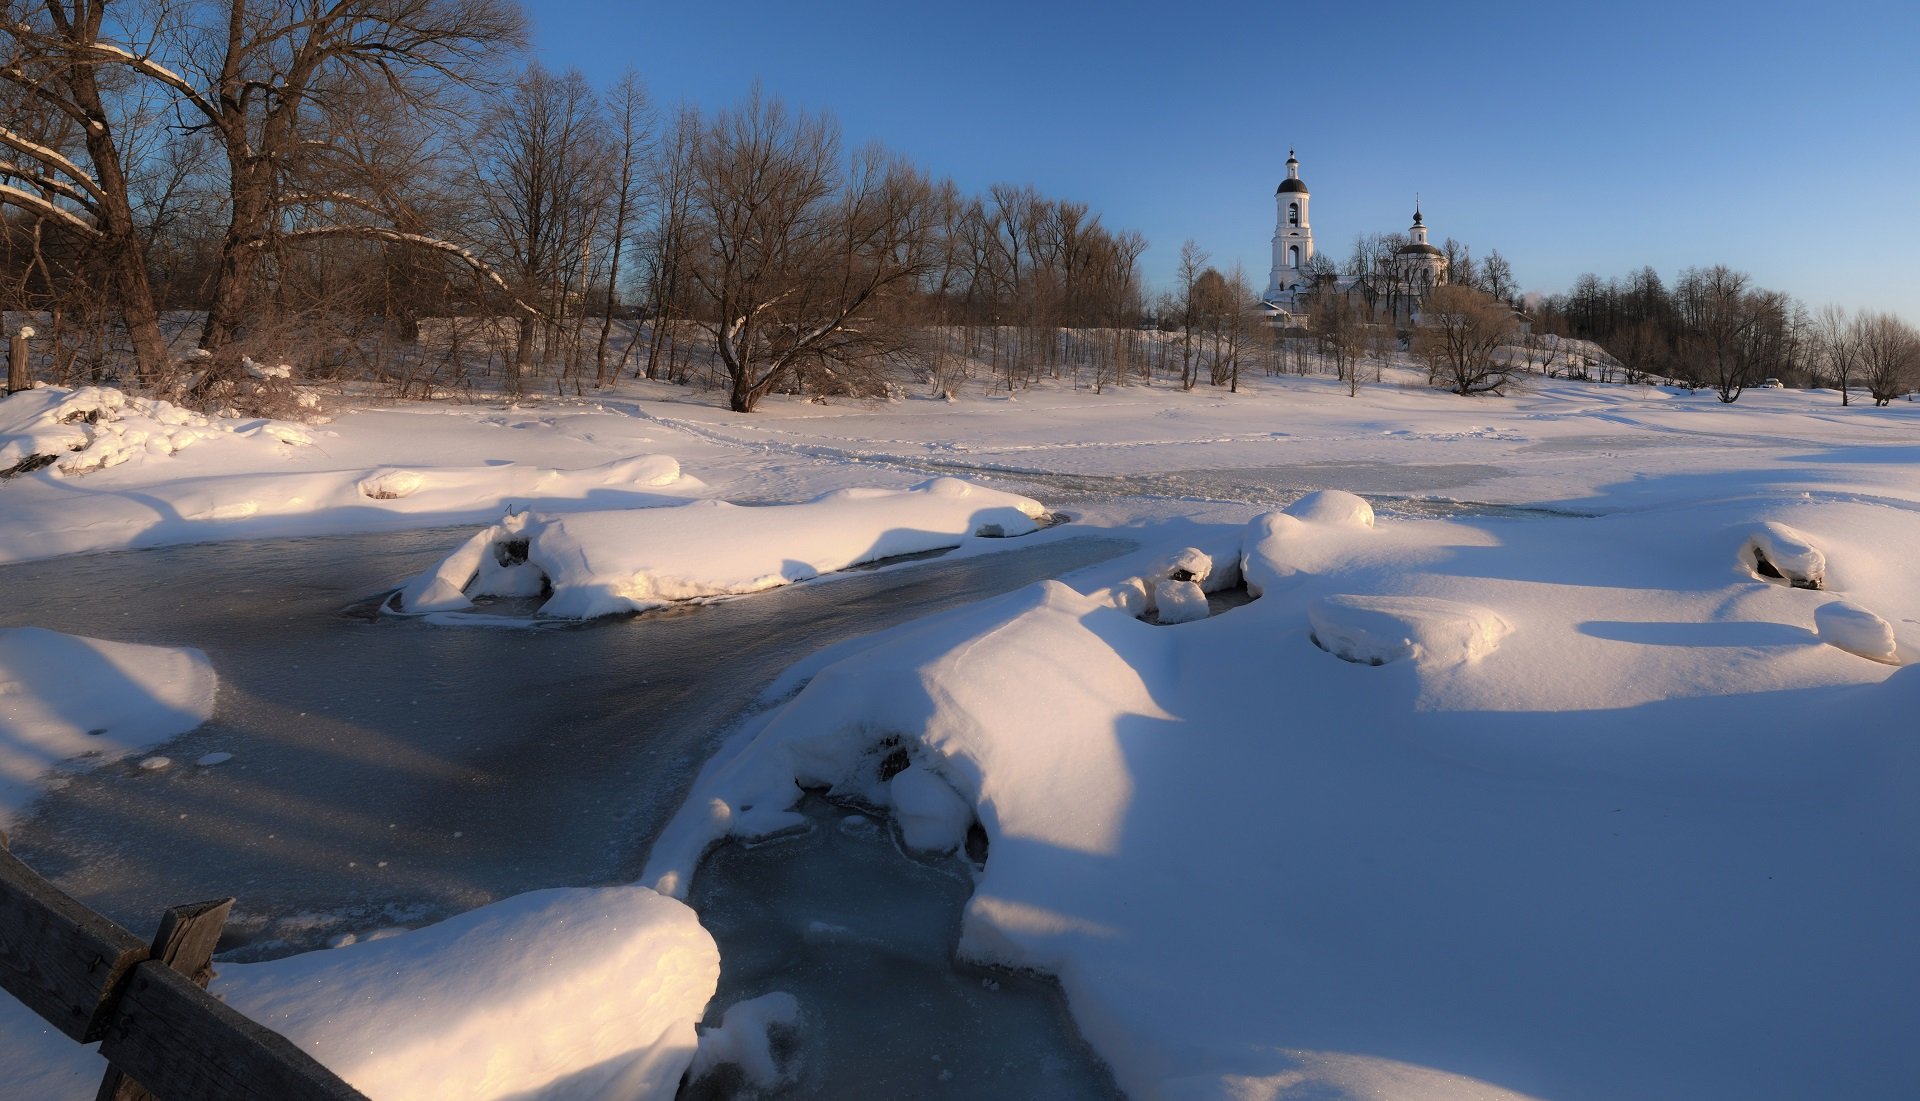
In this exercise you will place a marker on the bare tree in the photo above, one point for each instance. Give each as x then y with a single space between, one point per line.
632 124
1193 263
794 254
1889 351
1839 342
542 157
1460 327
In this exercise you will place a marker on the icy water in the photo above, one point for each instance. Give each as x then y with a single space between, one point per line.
386 771
1393 489
863 935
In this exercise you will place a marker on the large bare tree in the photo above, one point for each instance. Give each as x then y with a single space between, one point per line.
795 251
1460 326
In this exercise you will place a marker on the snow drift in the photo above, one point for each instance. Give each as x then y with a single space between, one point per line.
65 698
556 995
605 563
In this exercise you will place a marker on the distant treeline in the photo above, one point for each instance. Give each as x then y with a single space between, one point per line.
1714 328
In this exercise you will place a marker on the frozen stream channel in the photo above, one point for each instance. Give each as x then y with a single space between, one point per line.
385 771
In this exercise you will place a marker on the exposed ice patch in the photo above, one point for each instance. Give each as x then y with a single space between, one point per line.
1376 630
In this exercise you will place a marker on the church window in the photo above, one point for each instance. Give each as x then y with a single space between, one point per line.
1293 214
1293 256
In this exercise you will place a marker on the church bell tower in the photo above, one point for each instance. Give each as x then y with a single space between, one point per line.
1292 235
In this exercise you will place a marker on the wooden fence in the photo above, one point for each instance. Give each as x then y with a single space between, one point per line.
162 1034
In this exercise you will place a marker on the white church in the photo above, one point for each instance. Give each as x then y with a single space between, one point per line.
1415 269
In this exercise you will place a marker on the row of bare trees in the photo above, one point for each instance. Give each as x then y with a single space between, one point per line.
317 180
1715 328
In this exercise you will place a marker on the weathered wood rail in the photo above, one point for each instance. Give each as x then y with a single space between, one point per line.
162 1034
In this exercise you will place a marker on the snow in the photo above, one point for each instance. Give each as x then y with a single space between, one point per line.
745 1039
1375 630
557 994
1628 819
606 563
67 700
1857 631
1179 601
1787 552
932 817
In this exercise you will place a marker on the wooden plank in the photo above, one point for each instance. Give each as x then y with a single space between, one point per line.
185 942
62 960
183 1043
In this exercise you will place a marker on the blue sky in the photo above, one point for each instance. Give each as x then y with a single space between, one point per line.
1781 139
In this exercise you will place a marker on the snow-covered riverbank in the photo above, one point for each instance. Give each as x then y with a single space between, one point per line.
1616 813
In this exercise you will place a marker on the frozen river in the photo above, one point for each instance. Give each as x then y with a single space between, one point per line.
389 772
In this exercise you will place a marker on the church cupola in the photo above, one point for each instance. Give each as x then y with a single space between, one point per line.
1419 230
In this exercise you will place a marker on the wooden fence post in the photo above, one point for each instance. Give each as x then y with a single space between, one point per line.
17 361
185 942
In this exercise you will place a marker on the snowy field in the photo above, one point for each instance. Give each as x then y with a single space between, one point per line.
1574 758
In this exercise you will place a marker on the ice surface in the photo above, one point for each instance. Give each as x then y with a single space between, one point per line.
65 698
862 935
385 772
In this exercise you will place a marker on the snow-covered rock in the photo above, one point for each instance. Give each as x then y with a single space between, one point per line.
605 563
932 817
1375 630
1773 549
1856 630
745 1039
1179 601
557 994
63 697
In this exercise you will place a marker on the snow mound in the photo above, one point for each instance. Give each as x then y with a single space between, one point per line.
1376 630
746 1038
64 697
391 485
1847 626
1312 533
1773 549
1332 506
1180 601
76 431
932 816
1190 564
605 563
595 991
